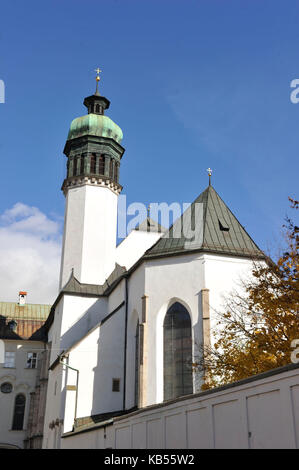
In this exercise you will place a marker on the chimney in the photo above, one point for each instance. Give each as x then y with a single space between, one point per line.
22 298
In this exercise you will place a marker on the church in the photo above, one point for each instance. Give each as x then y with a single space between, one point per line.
128 318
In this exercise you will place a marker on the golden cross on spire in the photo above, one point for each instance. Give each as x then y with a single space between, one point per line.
210 174
98 78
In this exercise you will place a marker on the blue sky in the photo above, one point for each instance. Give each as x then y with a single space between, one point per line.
193 84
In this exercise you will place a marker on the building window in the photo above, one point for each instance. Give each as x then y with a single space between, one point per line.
93 163
115 385
10 358
177 352
31 360
101 165
18 416
6 387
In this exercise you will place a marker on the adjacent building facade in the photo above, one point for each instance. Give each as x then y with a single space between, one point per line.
23 374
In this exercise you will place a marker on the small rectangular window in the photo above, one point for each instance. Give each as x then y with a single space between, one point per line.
9 359
31 360
115 385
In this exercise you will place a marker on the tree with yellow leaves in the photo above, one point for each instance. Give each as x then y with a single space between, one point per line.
255 333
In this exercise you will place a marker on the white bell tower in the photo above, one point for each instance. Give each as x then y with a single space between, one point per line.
91 189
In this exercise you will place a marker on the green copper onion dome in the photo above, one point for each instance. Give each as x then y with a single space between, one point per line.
95 124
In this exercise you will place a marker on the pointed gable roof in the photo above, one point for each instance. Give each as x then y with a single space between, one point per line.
207 225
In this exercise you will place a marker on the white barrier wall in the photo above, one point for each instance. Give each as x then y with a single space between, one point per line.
259 413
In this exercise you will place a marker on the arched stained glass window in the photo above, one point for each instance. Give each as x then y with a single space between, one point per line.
18 416
177 352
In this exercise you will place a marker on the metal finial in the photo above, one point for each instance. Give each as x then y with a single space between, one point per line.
98 78
210 174
148 210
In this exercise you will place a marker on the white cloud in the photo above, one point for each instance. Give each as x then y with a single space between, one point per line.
30 247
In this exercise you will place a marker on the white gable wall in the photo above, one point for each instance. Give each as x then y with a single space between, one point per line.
130 250
223 276
182 278
168 280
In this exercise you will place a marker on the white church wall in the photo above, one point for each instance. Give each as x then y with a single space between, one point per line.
261 413
84 357
99 357
224 275
136 290
110 361
80 314
116 297
164 286
130 250
168 280
74 317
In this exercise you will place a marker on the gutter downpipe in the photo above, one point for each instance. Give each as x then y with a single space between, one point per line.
125 343
77 383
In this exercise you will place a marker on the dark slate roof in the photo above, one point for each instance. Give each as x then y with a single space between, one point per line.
29 318
73 286
150 225
215 229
